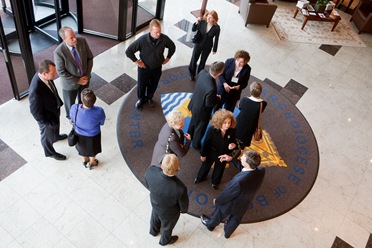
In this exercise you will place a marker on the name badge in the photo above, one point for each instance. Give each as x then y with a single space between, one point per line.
234 79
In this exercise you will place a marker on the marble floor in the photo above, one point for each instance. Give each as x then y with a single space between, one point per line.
49 203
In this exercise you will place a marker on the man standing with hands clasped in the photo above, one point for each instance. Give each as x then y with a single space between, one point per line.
151 47
238 193
168 197
74 62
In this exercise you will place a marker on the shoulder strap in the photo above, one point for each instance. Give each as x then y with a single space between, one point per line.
77 109
259 116
167 148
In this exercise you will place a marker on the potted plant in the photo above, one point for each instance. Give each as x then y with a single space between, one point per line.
320 6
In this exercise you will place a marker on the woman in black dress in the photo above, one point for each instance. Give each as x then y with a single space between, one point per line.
208 30
219 140
247 119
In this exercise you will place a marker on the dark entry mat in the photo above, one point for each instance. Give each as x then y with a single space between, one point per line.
284 186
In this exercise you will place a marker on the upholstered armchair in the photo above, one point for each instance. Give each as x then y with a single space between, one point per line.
257 12
362 16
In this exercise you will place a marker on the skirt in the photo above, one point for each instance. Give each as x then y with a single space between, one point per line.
89 146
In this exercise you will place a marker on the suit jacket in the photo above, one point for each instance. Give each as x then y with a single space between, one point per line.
168 195
206 38
239 192
204 97
43 102
66 66
177 145
227 75
215 145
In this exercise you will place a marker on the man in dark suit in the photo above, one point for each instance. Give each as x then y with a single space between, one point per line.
168 198
238 193
202 102
74 61
45 105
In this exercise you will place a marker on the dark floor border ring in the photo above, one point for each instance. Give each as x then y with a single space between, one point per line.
283 187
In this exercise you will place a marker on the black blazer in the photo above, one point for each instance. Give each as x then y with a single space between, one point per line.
216 145
240 191
206 38
168 195
43 103
227 75
204 97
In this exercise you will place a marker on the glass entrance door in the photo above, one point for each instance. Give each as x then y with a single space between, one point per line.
29 33
120 18
14 82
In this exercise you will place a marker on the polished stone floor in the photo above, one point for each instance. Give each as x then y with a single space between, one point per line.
48 203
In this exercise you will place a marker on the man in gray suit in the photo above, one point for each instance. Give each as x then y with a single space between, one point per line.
74 63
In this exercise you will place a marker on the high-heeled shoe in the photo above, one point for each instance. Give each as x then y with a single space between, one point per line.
85 164
91 165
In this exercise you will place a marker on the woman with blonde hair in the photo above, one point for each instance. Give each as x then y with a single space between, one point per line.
171 139
219 140
209 33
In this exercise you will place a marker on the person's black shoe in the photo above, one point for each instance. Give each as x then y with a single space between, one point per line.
58 156
154 234
204 219
215 186
171 241
139 104
151 103
192 78
197 181
61 137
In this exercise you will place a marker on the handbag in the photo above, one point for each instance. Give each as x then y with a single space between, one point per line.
236 152
196 37
257 136
72 137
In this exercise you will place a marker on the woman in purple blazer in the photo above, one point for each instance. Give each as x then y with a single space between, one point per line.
88 120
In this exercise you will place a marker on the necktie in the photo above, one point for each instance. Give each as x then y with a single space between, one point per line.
77 60
54 90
